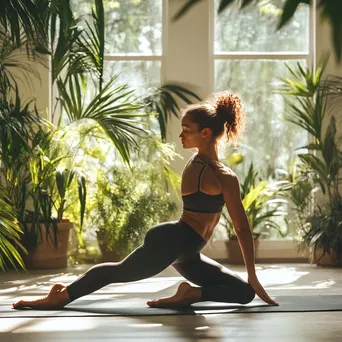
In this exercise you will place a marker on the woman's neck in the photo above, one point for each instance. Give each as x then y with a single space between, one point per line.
210 153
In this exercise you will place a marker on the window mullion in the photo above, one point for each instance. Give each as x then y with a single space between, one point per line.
253 56
133 57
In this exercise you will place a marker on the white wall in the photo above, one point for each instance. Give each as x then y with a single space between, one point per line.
32 87
324 44
187 62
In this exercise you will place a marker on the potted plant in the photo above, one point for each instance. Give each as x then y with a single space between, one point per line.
126 209
261 206
311 97
135 199
46 230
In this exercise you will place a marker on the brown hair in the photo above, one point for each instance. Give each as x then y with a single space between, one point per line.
223 114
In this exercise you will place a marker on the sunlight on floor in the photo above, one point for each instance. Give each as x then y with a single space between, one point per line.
151 286
9 290
147 325
51 325
317 286
10 324
284 275
64 278
202 328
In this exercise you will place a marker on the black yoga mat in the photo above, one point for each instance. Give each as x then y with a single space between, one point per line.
138 307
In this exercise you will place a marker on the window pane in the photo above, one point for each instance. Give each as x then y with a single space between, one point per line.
132 26
138 75
254 28
268 141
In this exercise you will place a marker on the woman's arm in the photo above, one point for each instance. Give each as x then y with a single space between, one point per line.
232 197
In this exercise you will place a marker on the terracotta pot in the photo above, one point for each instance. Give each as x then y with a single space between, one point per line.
46 255
328 259
234 254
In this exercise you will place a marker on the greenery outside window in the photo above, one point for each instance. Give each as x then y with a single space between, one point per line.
249 57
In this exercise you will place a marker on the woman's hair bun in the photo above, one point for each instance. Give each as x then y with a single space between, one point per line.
229 110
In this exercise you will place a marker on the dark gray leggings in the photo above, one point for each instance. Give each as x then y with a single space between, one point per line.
172 243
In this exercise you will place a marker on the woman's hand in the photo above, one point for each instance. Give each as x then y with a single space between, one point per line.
259 290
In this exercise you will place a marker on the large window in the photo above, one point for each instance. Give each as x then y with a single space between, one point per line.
250 56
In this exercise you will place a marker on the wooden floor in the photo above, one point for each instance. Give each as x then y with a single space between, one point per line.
278 279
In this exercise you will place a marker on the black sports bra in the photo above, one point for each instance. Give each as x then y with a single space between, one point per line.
200 201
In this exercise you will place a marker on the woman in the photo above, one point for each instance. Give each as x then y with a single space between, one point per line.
206 186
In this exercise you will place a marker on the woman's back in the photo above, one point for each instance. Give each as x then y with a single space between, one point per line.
202 195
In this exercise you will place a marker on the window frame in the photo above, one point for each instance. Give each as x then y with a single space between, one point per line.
309 56
148 57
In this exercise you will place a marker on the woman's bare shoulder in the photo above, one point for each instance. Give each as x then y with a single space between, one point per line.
221 169
226 177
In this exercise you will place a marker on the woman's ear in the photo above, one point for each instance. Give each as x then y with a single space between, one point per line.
205 132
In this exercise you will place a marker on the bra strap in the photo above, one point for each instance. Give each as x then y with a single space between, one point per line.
199 178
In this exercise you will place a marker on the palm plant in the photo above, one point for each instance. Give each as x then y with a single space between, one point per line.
114 107
308 109
10 232
49 183
23 17
77 53
18 125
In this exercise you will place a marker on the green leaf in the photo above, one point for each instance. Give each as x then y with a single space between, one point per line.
82 192
331 10
289 10
164 103
185 8
225 3
329 147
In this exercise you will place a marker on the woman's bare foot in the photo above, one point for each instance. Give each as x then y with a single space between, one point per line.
185 295
57 298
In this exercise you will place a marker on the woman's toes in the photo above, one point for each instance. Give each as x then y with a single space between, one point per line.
152 302
17 304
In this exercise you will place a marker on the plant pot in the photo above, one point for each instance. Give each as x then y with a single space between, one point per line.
328 259
46 255
234 254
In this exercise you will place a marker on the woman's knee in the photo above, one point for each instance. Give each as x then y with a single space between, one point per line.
248 295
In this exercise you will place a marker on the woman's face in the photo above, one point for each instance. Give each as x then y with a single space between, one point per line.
190 136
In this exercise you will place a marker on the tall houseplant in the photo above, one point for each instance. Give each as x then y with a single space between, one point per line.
18 125
262 204
310 100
